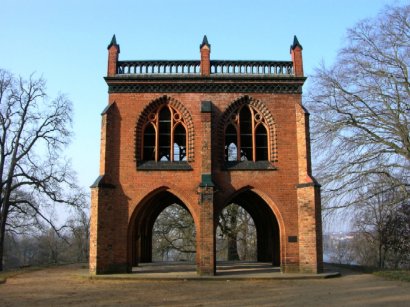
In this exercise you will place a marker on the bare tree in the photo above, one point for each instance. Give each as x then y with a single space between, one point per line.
21 250
228 223
79 236
51 246
236 234
364 250
34 130
361 111
174 235
398 237
384 223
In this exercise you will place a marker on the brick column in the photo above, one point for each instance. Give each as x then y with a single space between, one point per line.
104 258
101 234
310 229
206 229
93 260
309 205
100 199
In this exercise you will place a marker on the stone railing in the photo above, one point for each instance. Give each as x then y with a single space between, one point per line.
251 67
158 67
218 67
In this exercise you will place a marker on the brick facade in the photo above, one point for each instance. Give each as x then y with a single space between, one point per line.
278 191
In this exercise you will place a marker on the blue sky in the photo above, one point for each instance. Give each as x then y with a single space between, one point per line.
65 41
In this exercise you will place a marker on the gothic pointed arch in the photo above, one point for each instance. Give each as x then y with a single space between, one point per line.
248 126
268 222
142 219
156 139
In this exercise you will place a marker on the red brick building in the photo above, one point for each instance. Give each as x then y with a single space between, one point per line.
204 134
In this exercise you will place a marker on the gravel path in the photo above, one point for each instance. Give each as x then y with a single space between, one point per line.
63 286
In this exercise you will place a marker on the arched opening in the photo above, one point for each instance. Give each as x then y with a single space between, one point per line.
161 229
165 114
179 143
235 235
173 235
248 124
252 231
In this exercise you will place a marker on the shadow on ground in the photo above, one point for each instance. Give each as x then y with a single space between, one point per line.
226 269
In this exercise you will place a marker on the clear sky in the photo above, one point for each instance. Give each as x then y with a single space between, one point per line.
66 42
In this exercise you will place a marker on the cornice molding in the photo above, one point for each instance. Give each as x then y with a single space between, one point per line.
179 87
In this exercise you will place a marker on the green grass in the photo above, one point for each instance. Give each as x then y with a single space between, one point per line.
402 275
394 275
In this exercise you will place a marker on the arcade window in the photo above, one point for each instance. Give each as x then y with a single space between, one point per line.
246 137
164 136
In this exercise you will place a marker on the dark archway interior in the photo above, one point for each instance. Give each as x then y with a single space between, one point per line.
267 227
144 222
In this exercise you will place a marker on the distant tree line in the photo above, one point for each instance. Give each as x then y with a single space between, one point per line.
44 246
381 234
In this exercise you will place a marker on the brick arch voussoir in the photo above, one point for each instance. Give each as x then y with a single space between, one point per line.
261 107
154 105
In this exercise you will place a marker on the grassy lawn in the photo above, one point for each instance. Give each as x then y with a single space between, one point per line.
394 275
401 275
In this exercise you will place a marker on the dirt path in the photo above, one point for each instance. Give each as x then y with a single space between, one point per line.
62 286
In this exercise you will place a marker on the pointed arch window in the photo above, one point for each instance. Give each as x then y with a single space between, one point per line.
246 136
164 136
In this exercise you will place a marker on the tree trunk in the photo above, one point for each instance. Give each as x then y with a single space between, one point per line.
232 234
232 248
2 235
245 238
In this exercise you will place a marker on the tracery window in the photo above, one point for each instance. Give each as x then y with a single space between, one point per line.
246 136
164 136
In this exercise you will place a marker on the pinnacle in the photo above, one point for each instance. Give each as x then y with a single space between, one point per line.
295 43
113 42
204 42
